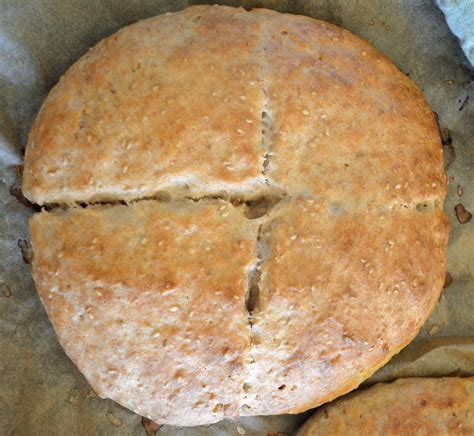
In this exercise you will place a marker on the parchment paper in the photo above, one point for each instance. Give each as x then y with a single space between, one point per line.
41 392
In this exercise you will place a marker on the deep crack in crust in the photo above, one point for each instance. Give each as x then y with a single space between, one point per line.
293 179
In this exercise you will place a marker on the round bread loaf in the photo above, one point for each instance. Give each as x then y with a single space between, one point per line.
273 229
426 406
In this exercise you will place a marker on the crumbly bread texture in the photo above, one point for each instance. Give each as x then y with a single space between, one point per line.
424 406
314 248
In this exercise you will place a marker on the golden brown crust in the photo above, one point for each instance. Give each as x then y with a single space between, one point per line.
170 101
348 125
341 292
149 304
352 269
407 406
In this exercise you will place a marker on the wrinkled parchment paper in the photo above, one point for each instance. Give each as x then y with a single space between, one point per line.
41 392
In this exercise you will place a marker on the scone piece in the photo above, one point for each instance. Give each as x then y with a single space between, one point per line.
424 406
341 292
176 103
169 103
346 123
149 302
